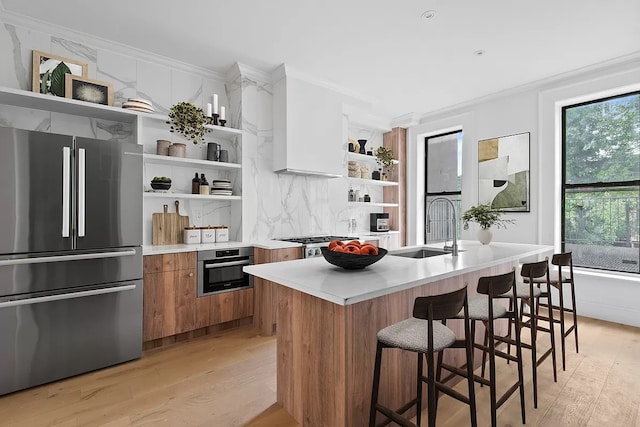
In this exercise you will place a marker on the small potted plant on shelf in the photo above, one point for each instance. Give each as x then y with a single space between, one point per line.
486 217
385 157
189 121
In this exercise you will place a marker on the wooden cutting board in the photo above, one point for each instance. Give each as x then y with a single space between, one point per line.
168 227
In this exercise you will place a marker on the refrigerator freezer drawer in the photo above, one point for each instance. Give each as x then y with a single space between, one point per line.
22 274
55 337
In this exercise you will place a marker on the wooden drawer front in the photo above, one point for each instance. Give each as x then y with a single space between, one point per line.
223 307
263 256
288 254
169 262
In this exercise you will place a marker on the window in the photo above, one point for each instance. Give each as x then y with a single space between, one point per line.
601 183
443 178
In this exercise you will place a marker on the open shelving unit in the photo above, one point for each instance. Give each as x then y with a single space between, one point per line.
167 195
365 158
360 181
185 161
383 205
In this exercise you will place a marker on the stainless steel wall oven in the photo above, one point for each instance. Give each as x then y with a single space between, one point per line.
220 270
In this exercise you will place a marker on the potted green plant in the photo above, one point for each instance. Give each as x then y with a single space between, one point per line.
385 157
189 121
486 217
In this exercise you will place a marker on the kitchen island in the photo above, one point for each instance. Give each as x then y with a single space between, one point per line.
328 319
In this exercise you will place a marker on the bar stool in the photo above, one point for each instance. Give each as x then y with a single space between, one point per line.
529 293
563 260
484 307
425 334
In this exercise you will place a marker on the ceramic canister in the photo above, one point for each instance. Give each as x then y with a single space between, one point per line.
208 235
178 150
222 234
162 147
212 151
191 236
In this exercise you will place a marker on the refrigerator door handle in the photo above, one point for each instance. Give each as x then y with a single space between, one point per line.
66 189
71 295
81 191
58 258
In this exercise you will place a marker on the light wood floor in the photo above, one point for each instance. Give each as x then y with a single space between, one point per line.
229 380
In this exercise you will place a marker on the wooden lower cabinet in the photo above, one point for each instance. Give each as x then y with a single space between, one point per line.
169 294
171 305
265 292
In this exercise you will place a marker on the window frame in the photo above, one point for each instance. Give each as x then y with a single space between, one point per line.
591 185
427 194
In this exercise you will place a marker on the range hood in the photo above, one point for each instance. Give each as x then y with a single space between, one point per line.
308 133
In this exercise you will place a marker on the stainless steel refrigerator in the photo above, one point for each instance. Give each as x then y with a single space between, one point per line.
70 256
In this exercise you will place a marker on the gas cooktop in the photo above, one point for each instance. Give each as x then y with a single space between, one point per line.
310 240
314 243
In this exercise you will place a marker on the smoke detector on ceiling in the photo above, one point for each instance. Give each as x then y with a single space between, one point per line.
429 14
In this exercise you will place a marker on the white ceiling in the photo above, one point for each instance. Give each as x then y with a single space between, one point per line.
381 49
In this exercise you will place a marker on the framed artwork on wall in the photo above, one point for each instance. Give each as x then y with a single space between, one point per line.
504 172
49 72
88 90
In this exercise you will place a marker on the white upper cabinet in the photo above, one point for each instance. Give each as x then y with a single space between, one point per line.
307 127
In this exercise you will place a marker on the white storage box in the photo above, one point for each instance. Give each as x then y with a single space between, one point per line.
208 235
222 235
191 236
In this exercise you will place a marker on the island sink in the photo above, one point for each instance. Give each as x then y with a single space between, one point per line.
419 252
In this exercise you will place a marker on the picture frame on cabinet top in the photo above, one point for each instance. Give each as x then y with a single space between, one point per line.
88 90
44 65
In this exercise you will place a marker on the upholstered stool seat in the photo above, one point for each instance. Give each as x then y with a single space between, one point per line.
479 308
522 290
565 279
411 334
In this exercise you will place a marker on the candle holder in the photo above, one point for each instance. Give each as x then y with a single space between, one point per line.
215 119
222 122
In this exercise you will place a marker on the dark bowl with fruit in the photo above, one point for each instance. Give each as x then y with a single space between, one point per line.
352 261
161 183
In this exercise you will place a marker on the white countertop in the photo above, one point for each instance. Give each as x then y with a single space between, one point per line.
315 276
172 249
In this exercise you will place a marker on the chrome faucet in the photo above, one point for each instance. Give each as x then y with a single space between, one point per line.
454 246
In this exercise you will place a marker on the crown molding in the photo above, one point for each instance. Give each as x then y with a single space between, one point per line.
243 70
13 18
632 59
283 70
358 117
405 120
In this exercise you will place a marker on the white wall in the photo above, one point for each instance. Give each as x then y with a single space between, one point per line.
535 109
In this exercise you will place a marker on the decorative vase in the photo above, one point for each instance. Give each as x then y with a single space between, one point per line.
484 236
362 143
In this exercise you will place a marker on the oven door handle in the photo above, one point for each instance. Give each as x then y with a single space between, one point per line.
227 264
